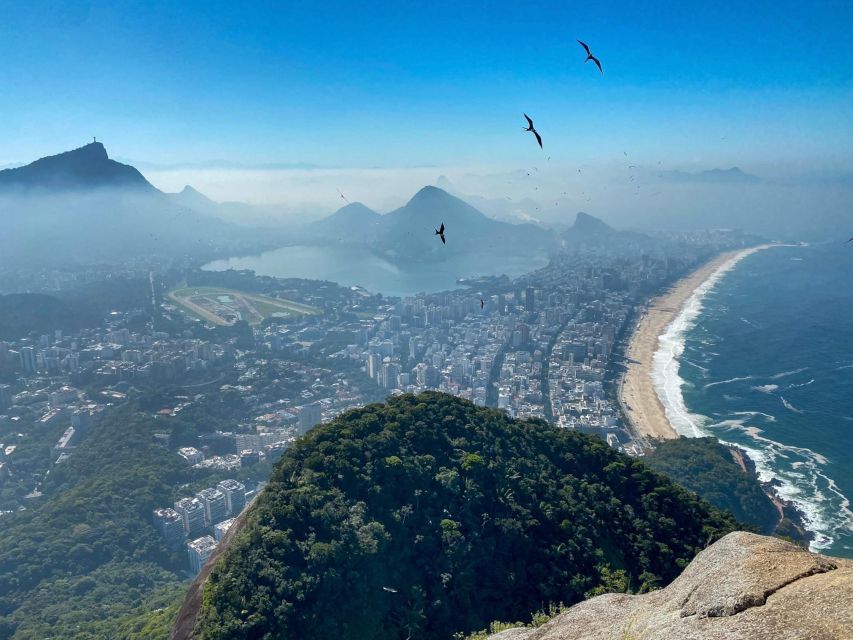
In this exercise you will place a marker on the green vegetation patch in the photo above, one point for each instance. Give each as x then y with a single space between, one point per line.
426 516
706 467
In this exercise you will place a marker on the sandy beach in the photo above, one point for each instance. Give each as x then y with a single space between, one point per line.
637 391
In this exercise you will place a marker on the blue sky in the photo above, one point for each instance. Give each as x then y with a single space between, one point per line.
403 84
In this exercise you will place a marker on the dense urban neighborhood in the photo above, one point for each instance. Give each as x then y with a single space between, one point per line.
544 345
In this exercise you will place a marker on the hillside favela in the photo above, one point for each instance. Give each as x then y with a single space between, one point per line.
426 321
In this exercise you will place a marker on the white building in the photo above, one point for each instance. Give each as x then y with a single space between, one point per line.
199 551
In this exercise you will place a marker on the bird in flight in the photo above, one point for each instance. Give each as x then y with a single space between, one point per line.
589 56
535 132
482 304
850 240
440 233
343 197
389 589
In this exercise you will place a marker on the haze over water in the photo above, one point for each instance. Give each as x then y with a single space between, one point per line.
354 266
767 364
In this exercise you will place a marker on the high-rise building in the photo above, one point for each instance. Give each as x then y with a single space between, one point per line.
5 396
309 416
191 455
170 524
28 359
529 299
192 513
215 505
199 551
388 375
374 363
221 529
235 495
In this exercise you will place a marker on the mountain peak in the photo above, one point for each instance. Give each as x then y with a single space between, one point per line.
590 224
733 175
94 150
430 194
356 208
87 167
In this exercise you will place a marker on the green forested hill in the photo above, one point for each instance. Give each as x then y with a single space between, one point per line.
87 558
705 466
425 516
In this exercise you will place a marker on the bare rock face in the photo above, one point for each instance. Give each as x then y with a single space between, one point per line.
743 587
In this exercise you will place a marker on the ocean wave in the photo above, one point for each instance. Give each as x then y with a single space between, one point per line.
740 379
752 414
694 364
802 482
729 424
765 388
785 374
804 384
789 406
797 473
665 366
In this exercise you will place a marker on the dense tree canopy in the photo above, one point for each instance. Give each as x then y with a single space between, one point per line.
705 466
425 516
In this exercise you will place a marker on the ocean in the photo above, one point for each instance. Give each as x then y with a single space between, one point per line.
761 356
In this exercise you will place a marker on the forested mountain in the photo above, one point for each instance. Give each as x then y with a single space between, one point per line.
81 207
425 516
406 233
88 167
354 223
705 466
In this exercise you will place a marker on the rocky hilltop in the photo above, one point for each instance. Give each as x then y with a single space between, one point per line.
743 587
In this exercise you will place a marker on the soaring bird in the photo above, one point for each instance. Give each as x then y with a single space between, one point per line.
589 56
389 589
850 240
482 304
535 132
343 197
440 233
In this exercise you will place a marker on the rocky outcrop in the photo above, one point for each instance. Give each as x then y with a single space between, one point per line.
744 587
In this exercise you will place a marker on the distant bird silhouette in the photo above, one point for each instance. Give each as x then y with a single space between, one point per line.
482 304
533 130
850 240
389 589
589 56
440 233
343 197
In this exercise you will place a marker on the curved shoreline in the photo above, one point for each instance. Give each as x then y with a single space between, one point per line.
638 392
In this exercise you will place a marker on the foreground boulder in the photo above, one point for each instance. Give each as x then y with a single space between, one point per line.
744 586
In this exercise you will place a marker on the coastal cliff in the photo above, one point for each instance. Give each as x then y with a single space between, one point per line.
743 587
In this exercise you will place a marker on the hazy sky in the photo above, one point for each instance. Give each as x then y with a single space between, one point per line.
403 84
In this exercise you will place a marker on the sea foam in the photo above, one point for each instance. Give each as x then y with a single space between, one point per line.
796 472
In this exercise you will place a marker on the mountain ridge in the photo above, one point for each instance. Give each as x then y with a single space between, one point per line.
80 207
87 167
733 175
